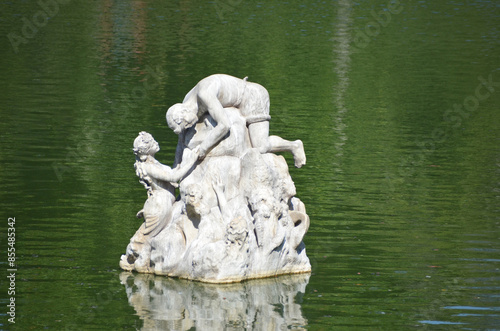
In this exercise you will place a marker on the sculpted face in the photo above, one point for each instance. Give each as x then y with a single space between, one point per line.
262 209
194 200
262 205
179 118
145 144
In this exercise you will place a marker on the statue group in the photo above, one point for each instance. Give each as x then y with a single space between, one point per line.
236 216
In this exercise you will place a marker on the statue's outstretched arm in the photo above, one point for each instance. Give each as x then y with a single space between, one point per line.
215 110
165 173
189 158
179 150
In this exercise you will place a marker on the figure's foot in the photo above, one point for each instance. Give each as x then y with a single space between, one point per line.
299 155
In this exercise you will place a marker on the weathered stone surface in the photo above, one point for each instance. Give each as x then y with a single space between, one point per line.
236 216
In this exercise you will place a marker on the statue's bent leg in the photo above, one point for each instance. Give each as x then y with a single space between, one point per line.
259 137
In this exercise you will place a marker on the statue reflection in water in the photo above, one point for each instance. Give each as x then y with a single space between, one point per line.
174 304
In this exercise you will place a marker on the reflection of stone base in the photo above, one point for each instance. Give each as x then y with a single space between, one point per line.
172 304
237 219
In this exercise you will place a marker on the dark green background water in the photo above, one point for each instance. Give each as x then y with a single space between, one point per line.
402 181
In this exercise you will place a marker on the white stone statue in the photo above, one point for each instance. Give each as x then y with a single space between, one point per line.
237 216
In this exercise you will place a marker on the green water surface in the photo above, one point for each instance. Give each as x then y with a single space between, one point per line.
397 103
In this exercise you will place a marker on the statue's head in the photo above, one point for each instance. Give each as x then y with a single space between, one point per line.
262 202
180 117
145 145
194 199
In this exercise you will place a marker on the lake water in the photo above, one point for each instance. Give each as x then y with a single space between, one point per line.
397 104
